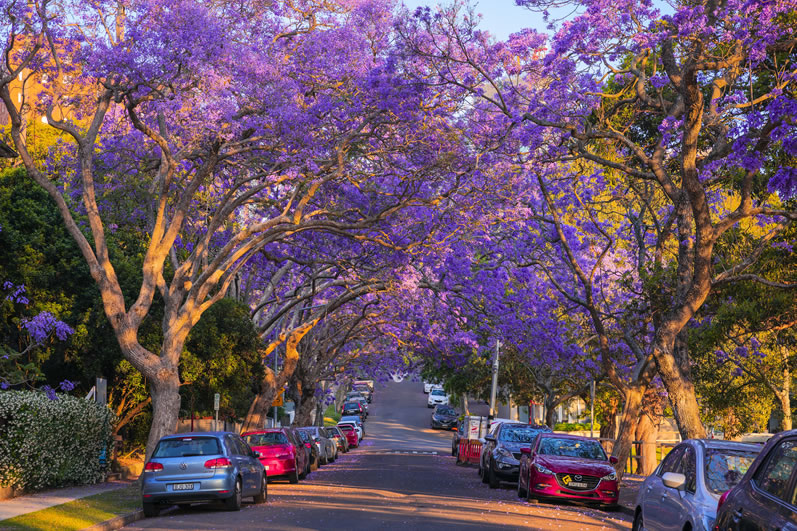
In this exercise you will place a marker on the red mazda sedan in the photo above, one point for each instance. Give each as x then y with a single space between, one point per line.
279 452
568 467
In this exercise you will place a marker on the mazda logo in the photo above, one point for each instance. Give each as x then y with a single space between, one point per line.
183 466
577 478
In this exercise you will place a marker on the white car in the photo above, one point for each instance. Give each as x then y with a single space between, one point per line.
427 386
437 396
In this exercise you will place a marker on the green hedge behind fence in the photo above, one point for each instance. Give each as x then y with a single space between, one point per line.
51 443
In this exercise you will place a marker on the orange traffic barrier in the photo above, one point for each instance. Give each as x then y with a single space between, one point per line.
469 451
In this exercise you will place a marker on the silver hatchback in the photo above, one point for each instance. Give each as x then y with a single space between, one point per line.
683 491
202 467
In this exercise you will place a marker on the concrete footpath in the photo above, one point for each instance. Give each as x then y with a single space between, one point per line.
20 505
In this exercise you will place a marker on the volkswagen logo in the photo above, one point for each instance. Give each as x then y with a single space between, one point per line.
577 477
183 466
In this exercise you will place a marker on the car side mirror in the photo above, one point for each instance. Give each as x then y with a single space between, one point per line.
613 460
490 438
525 451
674 480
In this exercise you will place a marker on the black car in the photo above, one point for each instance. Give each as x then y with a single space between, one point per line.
353 408
766 497
307 439
501 452
444 418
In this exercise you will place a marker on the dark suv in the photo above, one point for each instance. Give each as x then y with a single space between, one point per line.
766 497
501 452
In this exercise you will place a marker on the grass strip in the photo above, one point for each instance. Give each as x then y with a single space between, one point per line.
81 513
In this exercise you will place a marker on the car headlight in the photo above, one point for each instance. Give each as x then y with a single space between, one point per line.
610 477
503 452
542 470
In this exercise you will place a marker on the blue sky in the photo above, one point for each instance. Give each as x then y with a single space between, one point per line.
499 17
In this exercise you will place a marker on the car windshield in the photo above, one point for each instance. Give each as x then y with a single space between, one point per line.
572 448
438 392
332 433
725 468
520 434
266 439
309 431
187 446
304 436
446 411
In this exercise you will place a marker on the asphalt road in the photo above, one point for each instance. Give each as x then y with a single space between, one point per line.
402 477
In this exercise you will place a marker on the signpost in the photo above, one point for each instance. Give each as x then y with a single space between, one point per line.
494 389
216 401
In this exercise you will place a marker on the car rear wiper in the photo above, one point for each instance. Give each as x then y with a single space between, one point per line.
191 455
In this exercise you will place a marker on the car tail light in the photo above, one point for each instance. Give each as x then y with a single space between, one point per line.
221 462
152 467
722 500
307 445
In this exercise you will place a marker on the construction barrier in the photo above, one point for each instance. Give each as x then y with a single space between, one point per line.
469 451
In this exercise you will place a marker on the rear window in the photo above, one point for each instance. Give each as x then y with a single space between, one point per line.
303 435
346 427
266 439
725 468
188 446
351 405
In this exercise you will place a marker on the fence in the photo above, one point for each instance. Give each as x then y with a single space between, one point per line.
661 449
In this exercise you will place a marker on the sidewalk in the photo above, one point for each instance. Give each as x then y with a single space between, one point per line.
42 500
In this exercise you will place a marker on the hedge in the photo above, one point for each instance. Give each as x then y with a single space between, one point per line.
573 426
52 443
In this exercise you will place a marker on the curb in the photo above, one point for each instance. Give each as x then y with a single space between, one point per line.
626 510
118 522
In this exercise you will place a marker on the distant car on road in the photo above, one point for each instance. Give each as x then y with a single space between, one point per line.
366 391
684 489
334 433
444 418
357 422
281 453
202 467
766 497
353 408
362 401
327 448
428 386
436 397
568 467
350 431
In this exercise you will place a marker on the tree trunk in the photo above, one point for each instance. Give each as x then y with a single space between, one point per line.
647 433
550 410
165 391
621 449
609 424
785 400
258 410
680 389
306 412
465 405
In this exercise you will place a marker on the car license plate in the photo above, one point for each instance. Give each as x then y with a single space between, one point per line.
183 486
577 485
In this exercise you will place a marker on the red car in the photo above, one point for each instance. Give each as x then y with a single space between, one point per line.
280 453
568 467
351 434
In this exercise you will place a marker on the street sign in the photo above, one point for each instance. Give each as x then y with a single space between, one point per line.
216 400
279 401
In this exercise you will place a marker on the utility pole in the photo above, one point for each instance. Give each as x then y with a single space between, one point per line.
592 409
494 389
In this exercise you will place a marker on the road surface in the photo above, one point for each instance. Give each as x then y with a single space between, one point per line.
402 477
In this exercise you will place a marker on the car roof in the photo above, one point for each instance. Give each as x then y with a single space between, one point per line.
198 434
524 425
552 435
722 444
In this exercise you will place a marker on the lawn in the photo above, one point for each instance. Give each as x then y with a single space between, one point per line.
331 416
81 513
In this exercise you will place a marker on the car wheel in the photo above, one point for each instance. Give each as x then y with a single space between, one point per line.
262 496
521 492
293 477
485 479
492 479
233 503
638 525
150 509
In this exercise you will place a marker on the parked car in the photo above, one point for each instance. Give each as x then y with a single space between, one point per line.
358 424
444 418
568 467
334 433
427 386
766 496
353 408
436 396
315 456
501 451
202 467
327 448
683 491
350 431
491 429
366 391
363 402
281 453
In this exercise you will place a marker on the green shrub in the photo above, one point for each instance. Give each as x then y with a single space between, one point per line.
573 426
51 443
